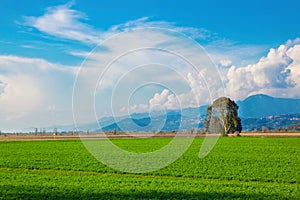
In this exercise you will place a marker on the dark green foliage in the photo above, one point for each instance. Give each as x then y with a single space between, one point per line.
222 117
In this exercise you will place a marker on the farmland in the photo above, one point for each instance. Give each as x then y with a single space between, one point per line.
239 167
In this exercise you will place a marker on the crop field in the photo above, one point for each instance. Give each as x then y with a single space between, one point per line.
237 168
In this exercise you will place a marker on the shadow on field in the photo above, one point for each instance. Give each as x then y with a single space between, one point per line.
12 192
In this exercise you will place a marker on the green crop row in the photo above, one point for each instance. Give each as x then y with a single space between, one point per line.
236 168
246 159
71 185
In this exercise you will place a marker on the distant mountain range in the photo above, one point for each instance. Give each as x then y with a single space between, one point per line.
260 105
255 111
291 127
271 122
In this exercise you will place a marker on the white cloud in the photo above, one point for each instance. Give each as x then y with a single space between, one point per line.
276 74
34 92
64 22
136 109
225 62
197 95
159 100
294 77
148 56
145 22
20 96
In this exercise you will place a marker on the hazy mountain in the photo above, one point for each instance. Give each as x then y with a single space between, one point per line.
291 127
256 111
171 121
271 122
262 106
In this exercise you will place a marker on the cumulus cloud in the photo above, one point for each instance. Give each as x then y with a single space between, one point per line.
275 74
294 53
197 95
165 100
159 99
2 86
31 89
148 55
20 96
225 62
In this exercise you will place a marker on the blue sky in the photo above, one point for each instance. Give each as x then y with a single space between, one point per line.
254 46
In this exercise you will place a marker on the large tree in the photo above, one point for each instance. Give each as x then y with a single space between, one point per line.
222 117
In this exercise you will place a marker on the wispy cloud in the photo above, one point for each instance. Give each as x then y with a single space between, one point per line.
64 22
145 22
67 23
238 54
28 46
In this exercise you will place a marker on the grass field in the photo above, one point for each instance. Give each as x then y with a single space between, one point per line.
237 168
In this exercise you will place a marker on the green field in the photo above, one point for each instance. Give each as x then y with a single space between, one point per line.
237 168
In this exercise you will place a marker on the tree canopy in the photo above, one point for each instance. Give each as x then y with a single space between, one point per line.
222 117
